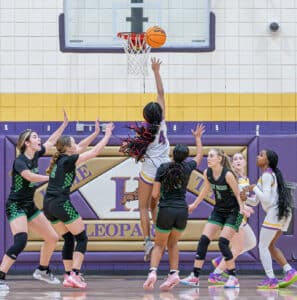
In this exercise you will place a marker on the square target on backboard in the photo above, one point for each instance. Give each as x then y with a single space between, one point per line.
93 25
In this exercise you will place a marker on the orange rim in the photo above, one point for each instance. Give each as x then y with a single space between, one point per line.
132 35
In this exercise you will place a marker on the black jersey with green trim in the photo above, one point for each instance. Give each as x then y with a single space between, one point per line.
225 198
62 176
22 189
177 197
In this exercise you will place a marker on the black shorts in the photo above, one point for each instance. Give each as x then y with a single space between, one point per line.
15 209
59 209
231 218
169 218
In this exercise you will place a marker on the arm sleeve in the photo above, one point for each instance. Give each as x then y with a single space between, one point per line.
20 166
264 194
70 162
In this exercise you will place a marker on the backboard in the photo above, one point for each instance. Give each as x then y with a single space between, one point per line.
92 25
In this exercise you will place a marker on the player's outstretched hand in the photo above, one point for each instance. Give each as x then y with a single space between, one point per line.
156 64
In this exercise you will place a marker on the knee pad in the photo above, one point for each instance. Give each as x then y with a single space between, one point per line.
225 249
202 247
68 248
81 242
20 241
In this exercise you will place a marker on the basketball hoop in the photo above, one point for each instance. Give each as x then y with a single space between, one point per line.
137 52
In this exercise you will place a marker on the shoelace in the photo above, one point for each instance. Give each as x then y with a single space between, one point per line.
50 274
81 277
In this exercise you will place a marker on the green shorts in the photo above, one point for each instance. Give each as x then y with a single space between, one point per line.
16 209
231 218
58 209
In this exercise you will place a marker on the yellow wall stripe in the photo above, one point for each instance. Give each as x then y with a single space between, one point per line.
128 107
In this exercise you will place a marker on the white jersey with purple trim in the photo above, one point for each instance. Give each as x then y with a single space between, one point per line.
157 153
266 193
243 182
159 148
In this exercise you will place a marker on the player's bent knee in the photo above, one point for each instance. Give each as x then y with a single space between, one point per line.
81 242
20 241
53 238
225 249
68 248
202 247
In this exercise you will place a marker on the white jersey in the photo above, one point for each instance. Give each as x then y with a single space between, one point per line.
267 194
243 182
160 146
266 191
156 154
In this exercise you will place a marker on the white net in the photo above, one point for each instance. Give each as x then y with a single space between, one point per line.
137 53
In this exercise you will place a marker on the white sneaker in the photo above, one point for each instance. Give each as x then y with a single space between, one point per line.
232 283
191 280
77 281
3 286
150 281
171 281
46 276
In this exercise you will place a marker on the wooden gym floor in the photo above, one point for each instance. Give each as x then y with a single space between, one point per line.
130 288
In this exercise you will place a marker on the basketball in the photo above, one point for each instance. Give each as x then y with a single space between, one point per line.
155 37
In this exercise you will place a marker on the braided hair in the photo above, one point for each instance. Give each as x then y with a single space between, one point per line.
174 175
145 133
284 196
61 145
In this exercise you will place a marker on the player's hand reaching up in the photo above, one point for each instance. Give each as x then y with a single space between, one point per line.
109 128
198 132
97 127
156 64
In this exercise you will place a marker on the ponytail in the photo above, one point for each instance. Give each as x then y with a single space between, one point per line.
225 161
53 162
284 195
136 147
62 144
173 177
145 134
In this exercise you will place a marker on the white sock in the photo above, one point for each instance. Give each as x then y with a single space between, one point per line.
218 271
153 269
270 274
287 268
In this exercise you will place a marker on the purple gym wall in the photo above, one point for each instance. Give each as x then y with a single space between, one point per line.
271 135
